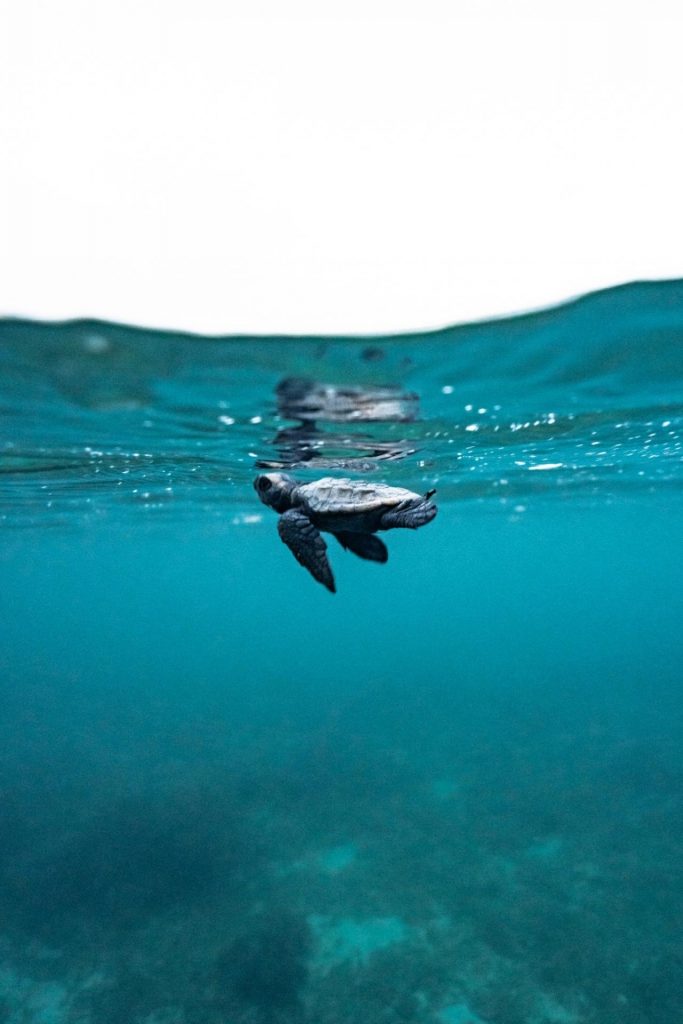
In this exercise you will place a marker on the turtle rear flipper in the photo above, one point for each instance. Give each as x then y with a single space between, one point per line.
304 541
365 545
409 514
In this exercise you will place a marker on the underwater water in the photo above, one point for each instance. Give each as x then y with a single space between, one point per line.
451 793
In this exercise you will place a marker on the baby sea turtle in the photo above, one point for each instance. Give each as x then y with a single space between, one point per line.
352 510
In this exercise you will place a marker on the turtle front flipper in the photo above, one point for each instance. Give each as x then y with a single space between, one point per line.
365 545
307 546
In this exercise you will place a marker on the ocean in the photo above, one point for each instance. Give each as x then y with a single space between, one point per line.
450 793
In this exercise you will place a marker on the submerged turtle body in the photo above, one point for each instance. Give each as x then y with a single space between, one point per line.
353 510
330 496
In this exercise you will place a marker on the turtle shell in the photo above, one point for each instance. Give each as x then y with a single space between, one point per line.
348 497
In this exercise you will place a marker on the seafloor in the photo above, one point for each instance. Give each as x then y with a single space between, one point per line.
500 861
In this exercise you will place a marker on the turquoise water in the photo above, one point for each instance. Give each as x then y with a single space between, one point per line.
449 793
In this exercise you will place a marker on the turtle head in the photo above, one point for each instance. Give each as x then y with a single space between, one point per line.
275 489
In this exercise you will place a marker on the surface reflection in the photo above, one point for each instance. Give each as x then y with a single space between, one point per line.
312 403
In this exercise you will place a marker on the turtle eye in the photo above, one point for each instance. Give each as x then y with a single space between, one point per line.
264 484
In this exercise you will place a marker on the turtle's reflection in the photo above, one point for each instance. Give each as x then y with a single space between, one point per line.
311 402
299 398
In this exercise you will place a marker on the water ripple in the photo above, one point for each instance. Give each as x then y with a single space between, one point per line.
581 402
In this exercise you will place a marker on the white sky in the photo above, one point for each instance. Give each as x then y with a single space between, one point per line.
292 166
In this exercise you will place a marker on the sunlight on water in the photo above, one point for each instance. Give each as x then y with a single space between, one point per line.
451 792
